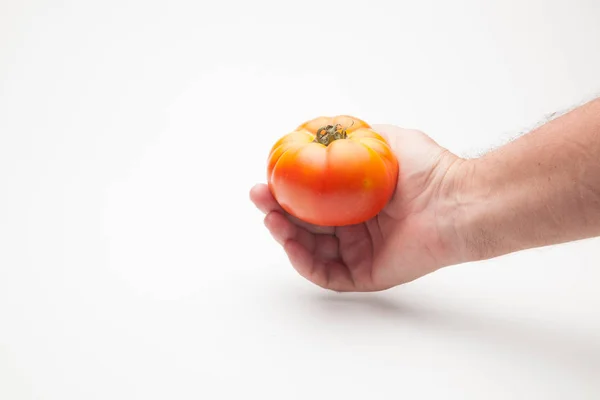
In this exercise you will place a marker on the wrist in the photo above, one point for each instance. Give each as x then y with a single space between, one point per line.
450 211
462 205
482 215
465 200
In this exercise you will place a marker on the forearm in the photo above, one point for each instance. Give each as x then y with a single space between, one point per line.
541 189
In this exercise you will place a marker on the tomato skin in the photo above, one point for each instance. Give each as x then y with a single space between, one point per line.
346 182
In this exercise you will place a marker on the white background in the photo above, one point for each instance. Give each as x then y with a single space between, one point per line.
133 265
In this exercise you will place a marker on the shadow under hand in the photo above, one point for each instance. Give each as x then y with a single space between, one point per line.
576 350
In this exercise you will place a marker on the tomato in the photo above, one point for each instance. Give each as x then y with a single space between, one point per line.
332 171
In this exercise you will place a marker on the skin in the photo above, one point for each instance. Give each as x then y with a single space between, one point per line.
539 190
542 189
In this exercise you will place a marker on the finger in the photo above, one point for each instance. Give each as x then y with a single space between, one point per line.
315 257
327 247
263 199
318 229
356 246
327 274
282 229
302 260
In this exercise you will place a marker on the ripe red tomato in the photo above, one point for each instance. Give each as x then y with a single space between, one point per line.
332 171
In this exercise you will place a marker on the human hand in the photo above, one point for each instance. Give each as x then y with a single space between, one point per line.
411 237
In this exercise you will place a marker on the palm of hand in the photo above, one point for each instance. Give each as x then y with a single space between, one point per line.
399 245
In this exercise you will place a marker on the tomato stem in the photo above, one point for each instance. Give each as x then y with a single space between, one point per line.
327 134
